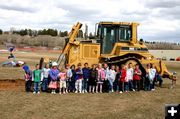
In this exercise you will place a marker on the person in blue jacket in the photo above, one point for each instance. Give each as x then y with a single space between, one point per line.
86 75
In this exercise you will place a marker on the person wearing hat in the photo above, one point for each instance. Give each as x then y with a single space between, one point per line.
53 73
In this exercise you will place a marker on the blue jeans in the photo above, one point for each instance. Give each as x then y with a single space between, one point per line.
152 84
45 84
36 86
110 85
84 84
131 86
126 86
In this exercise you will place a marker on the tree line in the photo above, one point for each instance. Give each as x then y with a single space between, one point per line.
161 43
51 32
30 32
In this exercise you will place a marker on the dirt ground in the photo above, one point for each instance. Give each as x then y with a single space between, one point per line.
15 103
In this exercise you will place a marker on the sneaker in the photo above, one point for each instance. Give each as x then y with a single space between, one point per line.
96 91
133 89
34 92
38 92
126 91
59 92
80 92
100 91
153 89
85 91
120 92
64 92
52 92
76 92
112 91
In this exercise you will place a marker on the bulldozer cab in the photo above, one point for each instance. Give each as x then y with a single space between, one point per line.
110 33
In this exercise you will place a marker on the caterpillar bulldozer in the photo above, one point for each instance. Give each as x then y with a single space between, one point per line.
115 43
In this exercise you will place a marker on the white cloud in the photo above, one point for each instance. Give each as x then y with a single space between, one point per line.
159 20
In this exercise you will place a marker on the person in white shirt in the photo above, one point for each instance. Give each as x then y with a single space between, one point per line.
129 76
111 78
45 73
152 74
106 81
68 76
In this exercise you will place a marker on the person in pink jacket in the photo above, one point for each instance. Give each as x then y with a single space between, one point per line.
100 78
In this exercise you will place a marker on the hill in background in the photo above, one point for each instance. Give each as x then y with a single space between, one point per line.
57 41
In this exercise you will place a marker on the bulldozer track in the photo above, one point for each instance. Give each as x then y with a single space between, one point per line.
124 60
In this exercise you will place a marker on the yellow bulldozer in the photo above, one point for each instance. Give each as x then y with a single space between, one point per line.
115 43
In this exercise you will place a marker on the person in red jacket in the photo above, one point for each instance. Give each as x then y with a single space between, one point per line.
137 77
122 78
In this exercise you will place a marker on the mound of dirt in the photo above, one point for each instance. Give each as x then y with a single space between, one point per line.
12 84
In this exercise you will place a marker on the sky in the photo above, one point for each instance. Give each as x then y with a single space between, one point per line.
159 19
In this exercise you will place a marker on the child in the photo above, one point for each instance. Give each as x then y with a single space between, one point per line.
147 82
37 78
79 78
62 76
111 78
159 79
45 81
92 79
129 76
122 78
53 73
116 82
126 82
28 78
86 74
72 82
68 81
152 74
100 78
106 81
137 77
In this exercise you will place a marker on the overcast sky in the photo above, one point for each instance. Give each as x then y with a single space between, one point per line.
159 19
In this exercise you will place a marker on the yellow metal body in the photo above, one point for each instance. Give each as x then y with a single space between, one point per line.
82 52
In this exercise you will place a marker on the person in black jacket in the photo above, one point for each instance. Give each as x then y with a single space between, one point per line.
93 79
117 79
72 82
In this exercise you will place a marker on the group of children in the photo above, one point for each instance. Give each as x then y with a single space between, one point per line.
100 78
